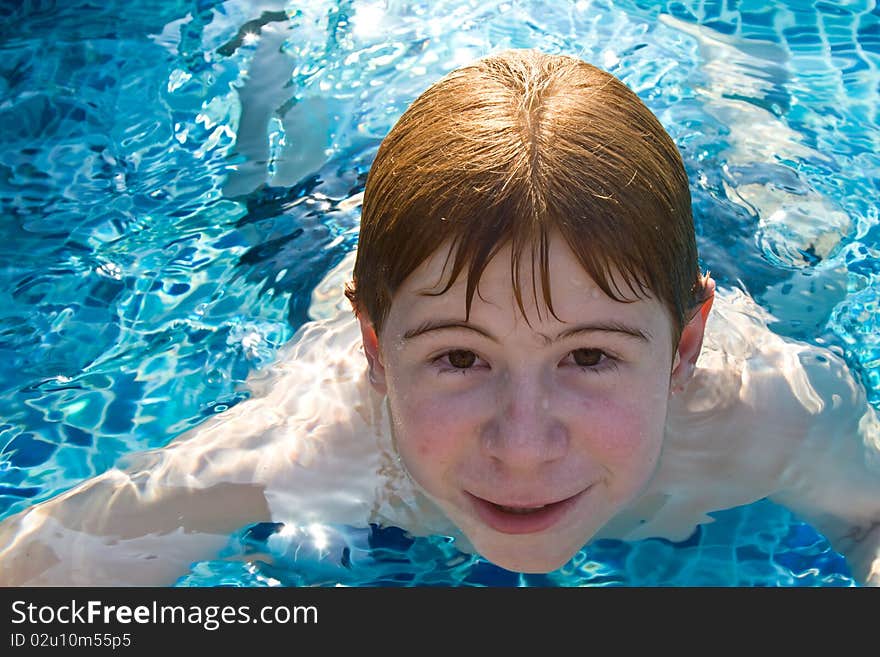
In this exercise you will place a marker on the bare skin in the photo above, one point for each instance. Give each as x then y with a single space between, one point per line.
756 416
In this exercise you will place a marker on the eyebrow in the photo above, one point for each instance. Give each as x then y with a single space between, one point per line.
592 327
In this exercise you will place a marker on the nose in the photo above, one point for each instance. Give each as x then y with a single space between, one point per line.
523 432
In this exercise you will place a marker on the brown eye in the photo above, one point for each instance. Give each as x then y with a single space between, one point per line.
587 357
462 359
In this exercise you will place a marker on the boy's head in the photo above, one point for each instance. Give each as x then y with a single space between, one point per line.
526 274
512 149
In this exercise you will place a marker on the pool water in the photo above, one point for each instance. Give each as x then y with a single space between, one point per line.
177 176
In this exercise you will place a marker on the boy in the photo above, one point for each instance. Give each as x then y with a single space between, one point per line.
531 310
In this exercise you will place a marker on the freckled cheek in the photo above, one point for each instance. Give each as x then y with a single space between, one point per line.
432 426
624 434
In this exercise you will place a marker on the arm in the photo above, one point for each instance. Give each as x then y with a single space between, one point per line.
288 454
138 526
833 480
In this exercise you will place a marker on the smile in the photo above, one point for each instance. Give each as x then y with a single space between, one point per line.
525 519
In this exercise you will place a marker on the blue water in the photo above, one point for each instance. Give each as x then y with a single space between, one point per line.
171 191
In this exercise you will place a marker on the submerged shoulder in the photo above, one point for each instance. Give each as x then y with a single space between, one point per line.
785 389
324 351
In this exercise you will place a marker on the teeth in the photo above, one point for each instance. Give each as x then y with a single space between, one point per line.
520 510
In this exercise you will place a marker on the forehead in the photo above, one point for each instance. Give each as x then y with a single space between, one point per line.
575 295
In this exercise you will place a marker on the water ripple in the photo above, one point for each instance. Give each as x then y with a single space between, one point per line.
176 177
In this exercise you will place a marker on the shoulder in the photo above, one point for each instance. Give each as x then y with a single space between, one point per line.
801 400
328 346
760 400
775 372
343 466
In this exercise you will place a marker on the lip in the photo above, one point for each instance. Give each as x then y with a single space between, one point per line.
527 523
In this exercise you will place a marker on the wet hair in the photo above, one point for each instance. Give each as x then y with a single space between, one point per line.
512 149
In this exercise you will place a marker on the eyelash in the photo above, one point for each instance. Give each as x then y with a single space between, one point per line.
607 362
447 367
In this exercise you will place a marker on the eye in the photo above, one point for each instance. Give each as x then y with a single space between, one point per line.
457 361
587 357
461 359
593 360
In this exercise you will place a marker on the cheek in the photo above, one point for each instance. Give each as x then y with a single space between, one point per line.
430 429
626 430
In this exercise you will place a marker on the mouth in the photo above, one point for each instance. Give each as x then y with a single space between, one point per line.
523 519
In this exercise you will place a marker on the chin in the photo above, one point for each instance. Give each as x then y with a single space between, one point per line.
536 553
529 560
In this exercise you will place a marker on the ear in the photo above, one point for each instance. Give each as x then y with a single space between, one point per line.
691 342
374 356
